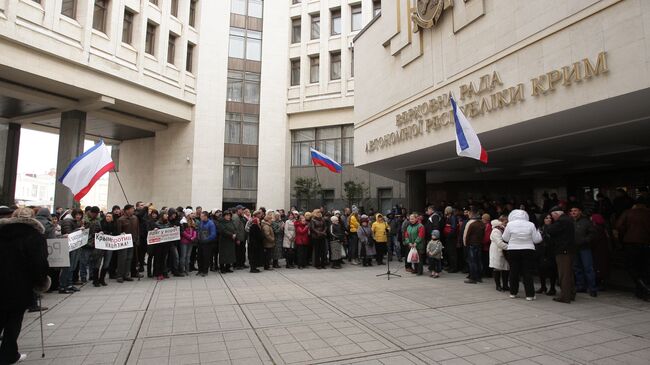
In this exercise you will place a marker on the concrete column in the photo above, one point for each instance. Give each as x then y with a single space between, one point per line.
416 190
9 142
71 144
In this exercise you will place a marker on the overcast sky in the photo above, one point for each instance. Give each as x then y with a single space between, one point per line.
38 150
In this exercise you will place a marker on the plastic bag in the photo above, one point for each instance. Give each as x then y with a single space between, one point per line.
343 253
413 257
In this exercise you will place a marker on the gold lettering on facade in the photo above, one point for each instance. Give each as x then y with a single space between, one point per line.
601 66
554 77
571 74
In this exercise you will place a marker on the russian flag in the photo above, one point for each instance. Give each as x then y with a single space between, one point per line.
467 142
86 169
318 158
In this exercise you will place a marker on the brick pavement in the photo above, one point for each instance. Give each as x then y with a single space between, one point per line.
344 316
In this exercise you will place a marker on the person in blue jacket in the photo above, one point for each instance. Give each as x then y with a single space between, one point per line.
207 236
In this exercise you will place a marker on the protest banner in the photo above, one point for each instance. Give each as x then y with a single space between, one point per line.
113 243
77 239
58 252
163 235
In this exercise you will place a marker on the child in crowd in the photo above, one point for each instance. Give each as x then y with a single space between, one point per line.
434 254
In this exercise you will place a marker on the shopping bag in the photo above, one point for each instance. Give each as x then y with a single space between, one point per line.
343 253
413 257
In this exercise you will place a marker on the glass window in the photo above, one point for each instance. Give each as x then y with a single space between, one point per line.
238 7
335 66
234 88
127 27
99 15
252 92
348 130
150 39
192 20
376 7
254 45
295 72
347 150
335 27
255 8
174 8
249 133
330 147
171 49
352 62
236 48
304 135
315 26
328 133
356 22
233 132
295 30
251 118
231 173
69 8
189 58
248 177
314 68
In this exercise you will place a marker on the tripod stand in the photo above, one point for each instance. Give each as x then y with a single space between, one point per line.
388 273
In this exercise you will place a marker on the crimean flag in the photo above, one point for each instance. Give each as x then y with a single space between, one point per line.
86 169
319 158
467 142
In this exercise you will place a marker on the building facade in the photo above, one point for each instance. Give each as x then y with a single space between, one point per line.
556 90
210 103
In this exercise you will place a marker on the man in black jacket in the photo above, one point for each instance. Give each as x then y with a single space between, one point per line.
562 242
583 265
23 268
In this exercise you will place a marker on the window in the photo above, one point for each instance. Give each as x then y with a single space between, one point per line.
240 173
295 30
295 72
174 8
255 8
171 48
99 15
69 8
356 21
155 2
314 68
238 7
335 28
189 58
243 87
253 45
336 142
315 26
127 27
352 62
150 39
192 20
376 7
385 196
242 129
335 65
245 44
327 197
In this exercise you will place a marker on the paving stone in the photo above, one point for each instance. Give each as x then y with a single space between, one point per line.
289 312
372 303
193 320
98 353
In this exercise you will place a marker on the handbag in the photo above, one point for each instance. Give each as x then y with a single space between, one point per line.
413 257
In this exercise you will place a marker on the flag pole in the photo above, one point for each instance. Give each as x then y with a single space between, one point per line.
122 187
319 186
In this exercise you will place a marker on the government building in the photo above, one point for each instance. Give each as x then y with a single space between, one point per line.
216 103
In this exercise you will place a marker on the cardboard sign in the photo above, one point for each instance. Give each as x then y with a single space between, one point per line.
58 253
164 235
78 239
113 243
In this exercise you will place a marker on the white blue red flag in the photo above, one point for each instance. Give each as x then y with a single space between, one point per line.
467 142
318 158
86 169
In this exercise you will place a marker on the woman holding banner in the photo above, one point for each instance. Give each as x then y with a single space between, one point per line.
160 249
102 258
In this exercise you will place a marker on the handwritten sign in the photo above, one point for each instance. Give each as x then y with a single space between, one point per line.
163 235
113 243
78 239
58 252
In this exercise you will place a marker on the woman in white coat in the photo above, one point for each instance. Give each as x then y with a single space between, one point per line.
289 240
498 261
521 236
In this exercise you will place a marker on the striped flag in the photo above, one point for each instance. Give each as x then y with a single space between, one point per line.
467 142
86 169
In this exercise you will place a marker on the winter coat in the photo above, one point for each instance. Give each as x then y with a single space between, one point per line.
353 223
562 235
188 236
634 226
109 228
269 237
584 232
434 249
23 262
414 234
317 229
129 225
434 221
366 243
497 247
45 218
226 241
240 227
278 233
337 234
302 233
520 233
380 231
289 239
93 226
474 232
255 246
207 231
69 225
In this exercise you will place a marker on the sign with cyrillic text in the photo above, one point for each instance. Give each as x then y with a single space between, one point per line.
58 252
164 235
113 243
77 239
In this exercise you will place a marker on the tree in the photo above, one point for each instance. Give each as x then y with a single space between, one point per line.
306 189
355 193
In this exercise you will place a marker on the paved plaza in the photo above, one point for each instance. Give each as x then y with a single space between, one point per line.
346 316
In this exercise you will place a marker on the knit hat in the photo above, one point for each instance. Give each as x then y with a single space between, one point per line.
334 219
435 233
556 208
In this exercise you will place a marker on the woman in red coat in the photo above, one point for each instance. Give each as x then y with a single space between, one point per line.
302 241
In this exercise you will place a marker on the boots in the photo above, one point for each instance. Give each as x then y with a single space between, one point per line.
504 279
102 277
94 275
497 279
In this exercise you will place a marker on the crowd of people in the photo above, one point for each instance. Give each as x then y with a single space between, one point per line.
568 244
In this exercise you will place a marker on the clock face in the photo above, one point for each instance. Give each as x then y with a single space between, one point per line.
427 8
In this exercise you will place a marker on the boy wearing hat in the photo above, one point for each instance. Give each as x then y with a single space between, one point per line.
434 254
